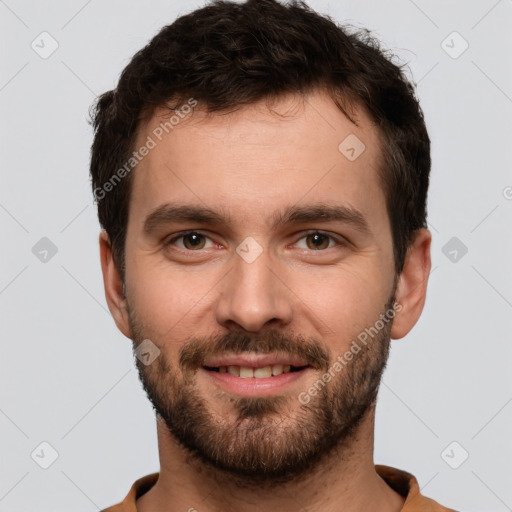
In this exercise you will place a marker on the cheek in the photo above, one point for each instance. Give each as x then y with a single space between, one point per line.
340 303
169 301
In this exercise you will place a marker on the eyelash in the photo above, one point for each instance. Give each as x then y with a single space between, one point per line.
338 239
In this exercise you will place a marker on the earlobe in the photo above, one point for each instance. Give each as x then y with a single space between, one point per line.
114 292
412 286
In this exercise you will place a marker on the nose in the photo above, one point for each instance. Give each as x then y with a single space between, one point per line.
253 295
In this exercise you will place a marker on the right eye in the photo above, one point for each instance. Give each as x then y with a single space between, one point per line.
191 241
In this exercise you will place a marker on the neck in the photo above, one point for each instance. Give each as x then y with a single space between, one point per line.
345 479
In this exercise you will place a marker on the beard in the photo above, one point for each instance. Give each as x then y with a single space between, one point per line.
263 441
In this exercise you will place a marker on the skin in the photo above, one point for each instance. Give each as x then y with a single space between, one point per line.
252 163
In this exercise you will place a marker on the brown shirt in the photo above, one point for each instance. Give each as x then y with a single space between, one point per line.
402 482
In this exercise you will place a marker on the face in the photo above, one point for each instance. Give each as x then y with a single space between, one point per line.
256 254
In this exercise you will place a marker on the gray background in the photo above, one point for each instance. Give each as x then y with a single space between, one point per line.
66 374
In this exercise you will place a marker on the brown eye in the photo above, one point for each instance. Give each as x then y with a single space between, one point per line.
193 241
317 241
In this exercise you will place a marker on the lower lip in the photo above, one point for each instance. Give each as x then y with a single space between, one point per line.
254 387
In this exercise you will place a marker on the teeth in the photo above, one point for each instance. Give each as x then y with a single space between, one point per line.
246 373
259 373
277 369
234 370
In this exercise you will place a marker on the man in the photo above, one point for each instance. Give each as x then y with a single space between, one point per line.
261 177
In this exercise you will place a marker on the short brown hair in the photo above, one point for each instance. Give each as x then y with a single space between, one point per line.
227 55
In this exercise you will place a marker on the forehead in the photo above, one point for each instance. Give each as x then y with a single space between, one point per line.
251 162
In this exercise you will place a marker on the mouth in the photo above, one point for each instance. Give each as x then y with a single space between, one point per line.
255 375
262 372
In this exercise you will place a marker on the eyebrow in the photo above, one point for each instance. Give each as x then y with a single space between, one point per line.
320 212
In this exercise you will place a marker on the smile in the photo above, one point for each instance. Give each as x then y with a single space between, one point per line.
254 375
246 372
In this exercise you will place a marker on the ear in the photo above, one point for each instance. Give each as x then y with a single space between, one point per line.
113 286
412 286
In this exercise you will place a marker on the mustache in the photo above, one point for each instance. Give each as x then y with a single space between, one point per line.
195 351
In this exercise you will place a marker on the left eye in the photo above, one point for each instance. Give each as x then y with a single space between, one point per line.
318 241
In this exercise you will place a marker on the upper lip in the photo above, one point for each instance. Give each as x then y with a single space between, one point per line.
252 360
